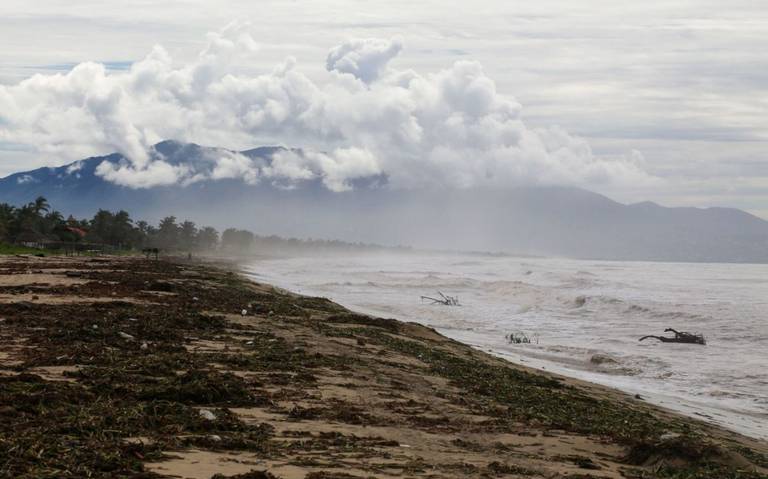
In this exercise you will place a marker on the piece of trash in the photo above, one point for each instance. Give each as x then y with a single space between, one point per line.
244 312
132 319
206 414
249 343
195 298
95 326
144 346
215 438
404 445
125 336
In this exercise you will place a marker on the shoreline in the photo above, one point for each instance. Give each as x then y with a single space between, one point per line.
682 405
165 370
374 287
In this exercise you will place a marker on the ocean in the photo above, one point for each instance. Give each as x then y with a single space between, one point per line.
583 318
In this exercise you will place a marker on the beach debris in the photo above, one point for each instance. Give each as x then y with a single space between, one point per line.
443 299
602 359
125 336
244 312
144 346
215 438
521 338
206 414
680 337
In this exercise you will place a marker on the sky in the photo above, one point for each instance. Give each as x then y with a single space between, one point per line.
664 101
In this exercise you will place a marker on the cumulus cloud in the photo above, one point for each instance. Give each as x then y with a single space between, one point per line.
335 169
363 58
449 128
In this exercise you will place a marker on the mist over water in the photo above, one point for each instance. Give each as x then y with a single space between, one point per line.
587 316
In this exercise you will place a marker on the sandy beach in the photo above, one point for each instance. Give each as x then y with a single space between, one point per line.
127 367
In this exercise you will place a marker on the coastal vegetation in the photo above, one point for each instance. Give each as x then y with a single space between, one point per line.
37 225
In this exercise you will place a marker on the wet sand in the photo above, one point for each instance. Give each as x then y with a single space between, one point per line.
123 367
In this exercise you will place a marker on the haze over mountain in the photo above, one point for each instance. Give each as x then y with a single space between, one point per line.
260 189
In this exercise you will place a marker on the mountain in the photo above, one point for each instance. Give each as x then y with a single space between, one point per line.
561 221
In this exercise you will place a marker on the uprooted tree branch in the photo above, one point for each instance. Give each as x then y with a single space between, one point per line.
443 299
680 337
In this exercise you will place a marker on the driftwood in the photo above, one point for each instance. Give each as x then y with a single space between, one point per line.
680 337
521 338
445 300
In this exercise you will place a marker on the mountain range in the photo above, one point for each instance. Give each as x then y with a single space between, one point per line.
545 220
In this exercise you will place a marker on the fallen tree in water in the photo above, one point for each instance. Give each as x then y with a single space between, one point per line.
446 300
680 337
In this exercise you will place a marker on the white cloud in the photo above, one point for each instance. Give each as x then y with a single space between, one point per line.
229 165
149 174
24 179
450 128
363 58
335 169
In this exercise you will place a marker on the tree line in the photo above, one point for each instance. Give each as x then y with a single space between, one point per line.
36 223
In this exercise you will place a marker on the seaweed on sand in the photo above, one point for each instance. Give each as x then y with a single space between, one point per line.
527 397
520 396
154 371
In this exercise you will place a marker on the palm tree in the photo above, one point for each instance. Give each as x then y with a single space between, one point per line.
187 235
7 213
40 205
207 238
168 233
